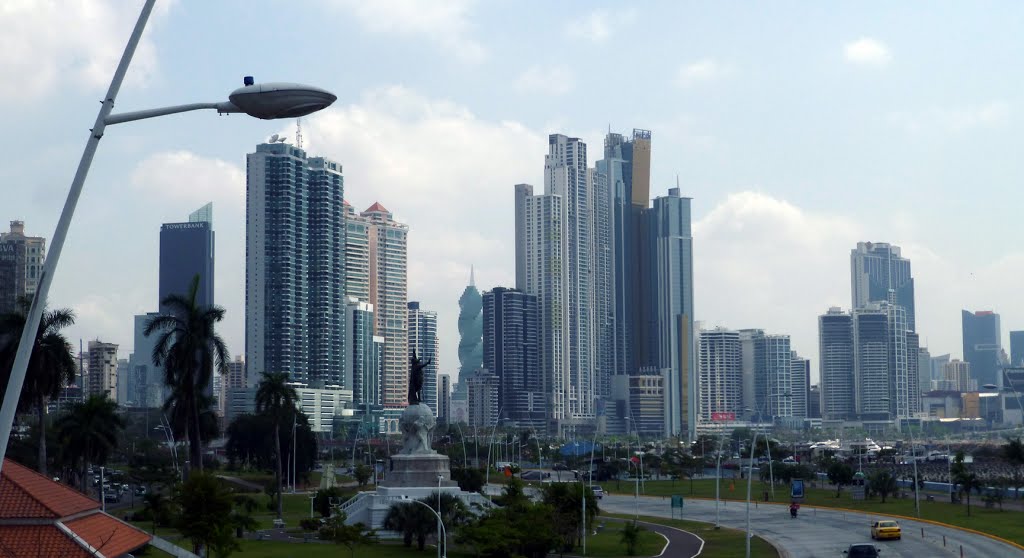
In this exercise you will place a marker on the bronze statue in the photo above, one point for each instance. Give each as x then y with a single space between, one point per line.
416 367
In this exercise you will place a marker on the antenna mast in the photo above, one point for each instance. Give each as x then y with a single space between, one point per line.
298 133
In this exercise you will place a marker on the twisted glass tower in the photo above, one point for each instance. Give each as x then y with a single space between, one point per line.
471 353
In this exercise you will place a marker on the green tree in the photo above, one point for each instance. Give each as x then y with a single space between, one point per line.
188 348
88 433
566 501
157 508
470 480
882 483
51 365
1013 451
350 536
412 521
839 474
631 537
362 473
322 502
273 397
964 478
204 517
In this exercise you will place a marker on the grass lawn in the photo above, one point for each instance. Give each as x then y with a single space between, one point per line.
1007 524
607 542
718 543
274 549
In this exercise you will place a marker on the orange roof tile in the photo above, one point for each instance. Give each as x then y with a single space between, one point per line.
376 207
31 541
25 493
109 535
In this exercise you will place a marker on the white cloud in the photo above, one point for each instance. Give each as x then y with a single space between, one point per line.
47 44
701 71
445 23
599 25
189 180
867 51
953 119
547 80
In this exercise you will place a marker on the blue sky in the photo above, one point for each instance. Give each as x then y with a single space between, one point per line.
798 128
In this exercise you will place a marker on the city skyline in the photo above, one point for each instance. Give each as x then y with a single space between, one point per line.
776 226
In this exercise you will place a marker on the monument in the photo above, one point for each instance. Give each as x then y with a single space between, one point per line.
415 472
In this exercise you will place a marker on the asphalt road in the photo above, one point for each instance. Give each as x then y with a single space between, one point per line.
820 532
681 544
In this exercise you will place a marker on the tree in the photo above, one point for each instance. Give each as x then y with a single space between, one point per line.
566 501
840 474
470 480
351 536
362 474
188 348
89 433
273 397
964 478
631 537
322 502
412 520
1013 451
882 483
51 365
205 515
157 507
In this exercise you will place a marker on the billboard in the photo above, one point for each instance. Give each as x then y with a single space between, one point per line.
723 417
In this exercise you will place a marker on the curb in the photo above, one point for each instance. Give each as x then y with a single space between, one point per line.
908 518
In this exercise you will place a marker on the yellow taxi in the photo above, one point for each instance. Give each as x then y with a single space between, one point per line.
887 529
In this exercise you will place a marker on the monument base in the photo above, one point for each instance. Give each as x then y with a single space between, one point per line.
418 470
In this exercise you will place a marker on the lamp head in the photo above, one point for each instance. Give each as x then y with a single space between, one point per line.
269 101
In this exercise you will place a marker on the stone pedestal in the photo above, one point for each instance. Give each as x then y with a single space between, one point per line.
420 470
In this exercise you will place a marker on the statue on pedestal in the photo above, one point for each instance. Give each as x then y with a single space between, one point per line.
417 422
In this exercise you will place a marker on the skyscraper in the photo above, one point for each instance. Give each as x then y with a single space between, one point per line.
511 334
778 400
364 361
470 335
754 352
21 265
801 385
1017 348
424 344
876 268
295 268
187 251
357 255
982 345
871 362
146 380
835 350
721 371
102 376
444 399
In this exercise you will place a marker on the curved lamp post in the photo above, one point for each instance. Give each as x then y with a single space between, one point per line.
444 532
265 101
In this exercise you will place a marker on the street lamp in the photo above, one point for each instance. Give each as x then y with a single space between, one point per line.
265 101
444 532
913 457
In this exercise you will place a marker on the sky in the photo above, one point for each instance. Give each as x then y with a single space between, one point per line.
798 128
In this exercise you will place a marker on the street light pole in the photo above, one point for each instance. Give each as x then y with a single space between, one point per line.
750 476
444 532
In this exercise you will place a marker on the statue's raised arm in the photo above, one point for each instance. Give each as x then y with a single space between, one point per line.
416 367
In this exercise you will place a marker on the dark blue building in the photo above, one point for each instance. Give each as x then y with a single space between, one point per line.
982 347
186 250
511 351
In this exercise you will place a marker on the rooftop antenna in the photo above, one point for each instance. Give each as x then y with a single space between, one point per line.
298 133
472 279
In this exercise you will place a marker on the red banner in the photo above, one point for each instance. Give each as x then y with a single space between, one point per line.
723 417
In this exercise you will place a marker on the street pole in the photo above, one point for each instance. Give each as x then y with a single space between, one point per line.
103 489
750 476
295 445
439 477
718 481
35 313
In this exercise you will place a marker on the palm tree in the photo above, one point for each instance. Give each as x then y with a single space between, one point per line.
89 432
274 396
188 348
50 367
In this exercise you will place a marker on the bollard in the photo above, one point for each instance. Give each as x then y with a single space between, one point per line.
922 532
943 541
961 551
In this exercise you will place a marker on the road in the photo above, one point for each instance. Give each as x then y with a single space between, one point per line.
681 544
820 532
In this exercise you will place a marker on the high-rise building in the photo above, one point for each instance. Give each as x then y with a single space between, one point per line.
956 376
21 265
295 266
721 374
871 361
671 299
424 344
924 370
511 334
814 402
470 335
877 269
187 251
444 399
778 402
982 345
1017 348
123 373
754 353
145 380
101 378
357 255
836 357
800 385
235 376
482 399
364 361
935 368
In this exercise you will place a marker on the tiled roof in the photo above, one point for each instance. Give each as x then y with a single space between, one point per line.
25 493
109 535
376 207
31 541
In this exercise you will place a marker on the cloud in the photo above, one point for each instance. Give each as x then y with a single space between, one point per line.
599 25
48 44
953 119
189 180
547 80
445 23
867 52
701 71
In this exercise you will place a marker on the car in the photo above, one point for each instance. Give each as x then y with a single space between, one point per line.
560 467
598 491
111 497
279 523
886 529
140 490
861 551
789 461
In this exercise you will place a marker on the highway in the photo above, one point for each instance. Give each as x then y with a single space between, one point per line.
819 532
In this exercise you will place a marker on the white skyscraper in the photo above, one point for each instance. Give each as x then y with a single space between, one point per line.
721 367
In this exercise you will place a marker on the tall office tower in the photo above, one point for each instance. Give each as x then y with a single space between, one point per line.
123 373
357 255
21 265
835 366
364 361
146 380
755 372
101 378
876 269
982 345
913 385
187 251
956 376
671 299
470 335
542 233
924 372
422 331
1017 348
721 374
871 362
295 267
511 334
778 400
935 367
800 381
814 402
444 399
482 399
235 376
388 294
604 286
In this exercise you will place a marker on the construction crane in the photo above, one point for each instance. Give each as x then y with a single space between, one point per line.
298 133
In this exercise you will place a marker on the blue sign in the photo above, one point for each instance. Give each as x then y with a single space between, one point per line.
797 488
